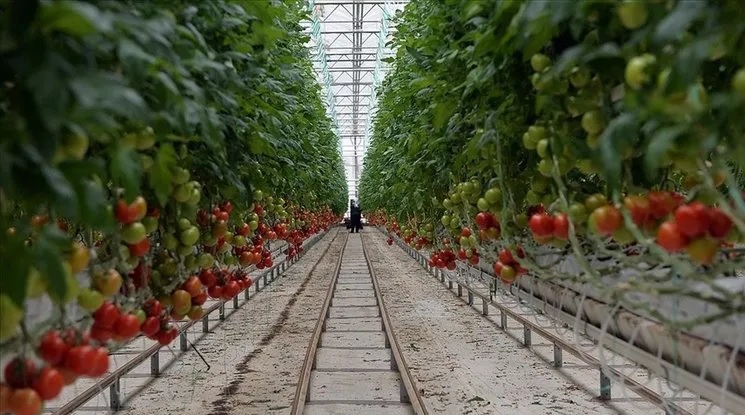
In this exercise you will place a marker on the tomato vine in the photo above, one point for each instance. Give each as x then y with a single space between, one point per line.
149 151
584 129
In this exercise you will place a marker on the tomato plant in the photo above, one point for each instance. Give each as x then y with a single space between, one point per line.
584 129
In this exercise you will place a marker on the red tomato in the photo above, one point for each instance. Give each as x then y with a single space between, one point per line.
215 291
199 299
101 334
52 348
719 223
688 221
505 257
541 224
140 248
152 307
99 363
150 326
606 219
20 372
670 238
207 278
49 383
78 359
193 286
127 326
498 268
561 226
107 315
465 232
639 207
24 402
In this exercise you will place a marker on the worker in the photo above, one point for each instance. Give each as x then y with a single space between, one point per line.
355 213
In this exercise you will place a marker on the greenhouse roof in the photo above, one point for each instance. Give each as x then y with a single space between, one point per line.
348 45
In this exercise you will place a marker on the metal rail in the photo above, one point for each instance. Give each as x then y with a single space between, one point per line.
303 386
111 380
406 377
302 393
652 363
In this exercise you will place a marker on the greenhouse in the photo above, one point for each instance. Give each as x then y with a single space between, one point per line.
367 207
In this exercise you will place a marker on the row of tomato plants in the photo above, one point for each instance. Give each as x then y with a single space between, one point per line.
580 130
150 152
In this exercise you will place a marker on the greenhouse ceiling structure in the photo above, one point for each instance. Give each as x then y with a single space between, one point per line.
348 45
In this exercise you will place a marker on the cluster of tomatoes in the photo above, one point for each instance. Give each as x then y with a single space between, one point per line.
698 229
111 323
488 225
545 227
506 267
61 358
223 283
444 258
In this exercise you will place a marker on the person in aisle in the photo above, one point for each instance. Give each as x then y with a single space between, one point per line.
355 213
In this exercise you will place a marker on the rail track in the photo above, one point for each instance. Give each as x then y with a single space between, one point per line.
354 363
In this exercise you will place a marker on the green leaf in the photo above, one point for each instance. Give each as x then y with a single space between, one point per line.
65 198
160 175
675 24
126 170
49 261
620 132
443 112
661 142
73 17
14 255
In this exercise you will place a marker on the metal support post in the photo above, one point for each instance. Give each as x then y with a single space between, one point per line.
182 341
605 386
221 311
115 401
155 364
558 359
526 336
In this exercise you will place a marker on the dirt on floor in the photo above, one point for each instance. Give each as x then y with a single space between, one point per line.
256 354
460 361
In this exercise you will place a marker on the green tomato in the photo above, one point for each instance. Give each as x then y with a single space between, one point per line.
184 224
36 286
182 193
10 317
195 197
170 242
180 176
545 167
190 236
738 82
133 233
90 300
578 212
579 77
146 162
258 195
75 146
542 148
623 236
185 250
633 14
483 205
254 224
140 314
528 141
636 70
206 260
533 198
493 196
593 122
150 223
190 260
540 62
